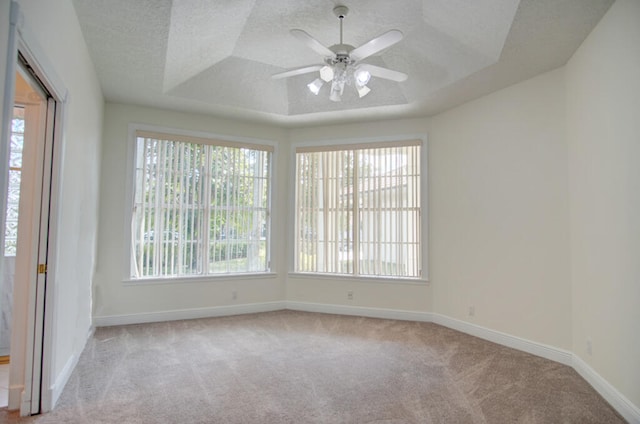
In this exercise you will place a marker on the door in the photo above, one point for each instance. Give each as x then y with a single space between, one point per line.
26 230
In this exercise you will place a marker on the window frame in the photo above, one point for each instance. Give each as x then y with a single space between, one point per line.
213 139
351 143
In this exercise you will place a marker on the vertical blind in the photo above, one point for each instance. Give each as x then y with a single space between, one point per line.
358 209
201 206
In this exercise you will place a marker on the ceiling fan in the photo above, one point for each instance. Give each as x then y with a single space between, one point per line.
343 62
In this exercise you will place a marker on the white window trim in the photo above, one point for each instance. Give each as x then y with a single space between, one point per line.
153 281
133 128
424 206
411 281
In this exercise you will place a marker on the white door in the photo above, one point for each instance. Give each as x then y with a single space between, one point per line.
31 235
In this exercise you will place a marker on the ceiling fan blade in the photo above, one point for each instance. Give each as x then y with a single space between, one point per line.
299 71
311 42
385 73
380 43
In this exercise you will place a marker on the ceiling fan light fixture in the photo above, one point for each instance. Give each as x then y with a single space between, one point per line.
363 90
315 86
326 73
337 89
362 77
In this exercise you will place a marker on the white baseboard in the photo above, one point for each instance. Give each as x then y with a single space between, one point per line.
618 401
535 348
15 397
179 314
539 349
61 380
50 396
360 311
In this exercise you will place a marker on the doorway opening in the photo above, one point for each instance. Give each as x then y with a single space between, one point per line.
9 249
24 251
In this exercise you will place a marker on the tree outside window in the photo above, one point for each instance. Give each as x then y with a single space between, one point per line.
200 207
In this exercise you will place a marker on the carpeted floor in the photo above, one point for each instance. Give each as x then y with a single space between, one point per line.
295 367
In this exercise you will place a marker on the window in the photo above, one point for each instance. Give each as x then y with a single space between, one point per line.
358 210
15 174
201 207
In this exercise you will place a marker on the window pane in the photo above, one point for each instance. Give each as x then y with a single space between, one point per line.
199 209
389 205
358 211
15 175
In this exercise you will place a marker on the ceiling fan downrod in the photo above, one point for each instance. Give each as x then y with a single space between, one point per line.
341 12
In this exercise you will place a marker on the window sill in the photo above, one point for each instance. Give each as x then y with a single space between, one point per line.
367 279
198 279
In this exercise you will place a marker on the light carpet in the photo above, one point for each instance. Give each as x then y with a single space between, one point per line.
297 367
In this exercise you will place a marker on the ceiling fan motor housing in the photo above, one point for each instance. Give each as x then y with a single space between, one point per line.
341 55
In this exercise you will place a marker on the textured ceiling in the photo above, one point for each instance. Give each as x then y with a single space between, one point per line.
217 57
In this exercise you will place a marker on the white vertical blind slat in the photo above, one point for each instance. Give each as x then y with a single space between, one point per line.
177 207
365 204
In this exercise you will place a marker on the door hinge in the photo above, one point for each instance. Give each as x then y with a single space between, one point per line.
42 268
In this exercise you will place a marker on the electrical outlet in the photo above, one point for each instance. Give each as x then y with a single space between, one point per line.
589 346
350 295
234 295
472 311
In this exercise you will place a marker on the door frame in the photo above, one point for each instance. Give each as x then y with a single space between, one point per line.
21 41
35 176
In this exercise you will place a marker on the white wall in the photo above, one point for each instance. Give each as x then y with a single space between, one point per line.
54 27
499 212
603 125
5 7
118 300
498 218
